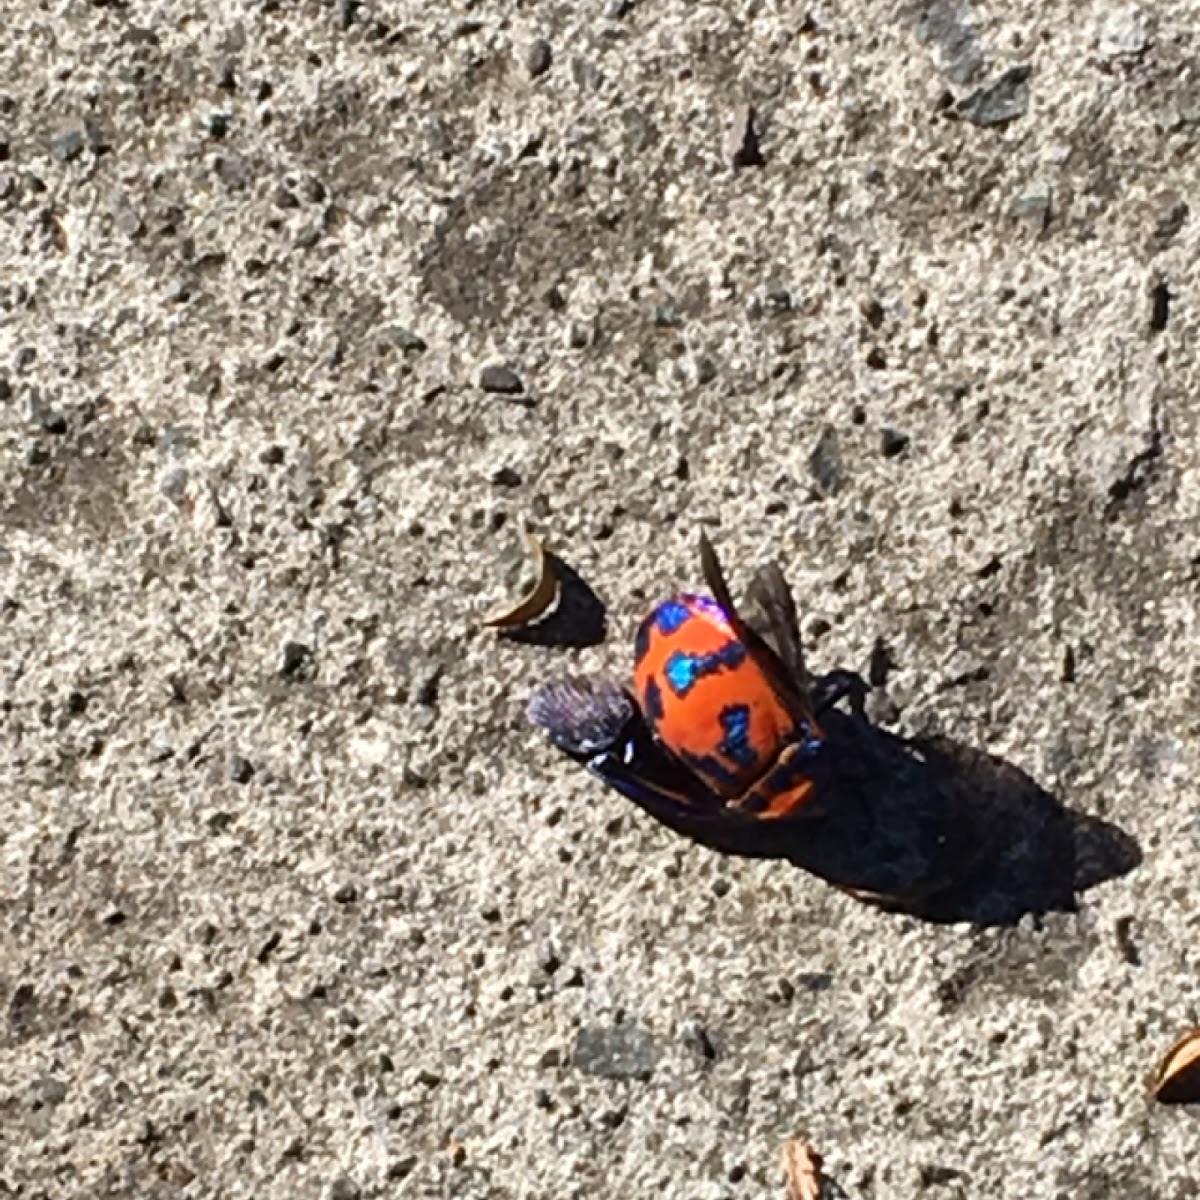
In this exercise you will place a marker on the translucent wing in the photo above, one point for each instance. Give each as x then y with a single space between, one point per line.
771 608
770 629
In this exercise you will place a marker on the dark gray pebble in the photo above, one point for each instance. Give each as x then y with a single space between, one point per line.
825 462
892 442
1001 101
296 658
619 1052
506 477
68 144
539 57
344 1188
239 769
501 381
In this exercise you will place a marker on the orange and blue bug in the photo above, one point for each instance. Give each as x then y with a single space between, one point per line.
708 696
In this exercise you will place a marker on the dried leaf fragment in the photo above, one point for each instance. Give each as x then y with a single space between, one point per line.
538 601
802 1170
1177 1080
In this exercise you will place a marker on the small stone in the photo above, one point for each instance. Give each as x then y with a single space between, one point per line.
346 894
539 57
1001 101
506 477
404 340
1171 222
49 1091
126 218
872 311
825 462
239 769
1160 307
948 28
174 484
272 456
619 1052
402 1168
344 1188
892 442
22 1003
296 658
500 381
876 359
1036 205
1124 34
68 144
426 686
743 148
53 421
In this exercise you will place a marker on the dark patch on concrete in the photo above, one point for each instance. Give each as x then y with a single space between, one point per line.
541 221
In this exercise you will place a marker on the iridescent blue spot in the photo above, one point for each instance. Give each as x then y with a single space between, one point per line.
652 703
682 670
671 615
735 746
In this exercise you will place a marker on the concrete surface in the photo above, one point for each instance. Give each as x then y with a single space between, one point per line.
294 902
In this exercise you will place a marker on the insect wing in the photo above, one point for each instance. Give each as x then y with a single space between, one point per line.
597 724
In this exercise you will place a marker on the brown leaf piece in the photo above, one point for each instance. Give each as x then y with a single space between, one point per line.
802 1170
536 602
1177 1080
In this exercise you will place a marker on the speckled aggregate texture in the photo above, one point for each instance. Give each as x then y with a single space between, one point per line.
294 902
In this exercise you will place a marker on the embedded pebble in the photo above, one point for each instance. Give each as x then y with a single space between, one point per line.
615 1052
539 57
1003 100
501 381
